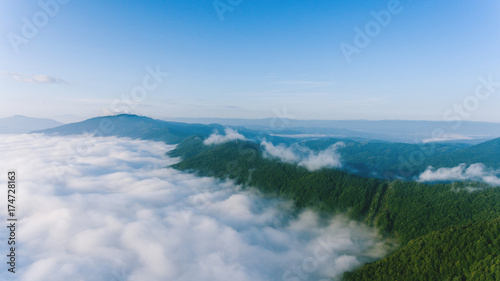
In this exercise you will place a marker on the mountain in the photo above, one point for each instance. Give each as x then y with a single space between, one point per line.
19 124
133 126
487 153
360 156
290 128
388 130
392 160
384 159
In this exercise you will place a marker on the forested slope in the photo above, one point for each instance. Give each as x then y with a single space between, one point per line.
487 153
388 160
469 252
404 210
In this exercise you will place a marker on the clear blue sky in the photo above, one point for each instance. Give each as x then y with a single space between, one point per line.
263 59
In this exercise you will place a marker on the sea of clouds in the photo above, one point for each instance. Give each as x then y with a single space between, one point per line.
109 209
475 172
312 160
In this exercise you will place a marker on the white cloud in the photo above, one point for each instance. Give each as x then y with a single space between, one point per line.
476 172
280 151
230 135
34 78
326 158
115 213
312 160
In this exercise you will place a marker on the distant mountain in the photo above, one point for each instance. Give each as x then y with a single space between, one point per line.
390 160
133 126
487 153
19 124
384 159
389 130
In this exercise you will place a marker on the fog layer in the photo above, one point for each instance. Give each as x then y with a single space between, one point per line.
108 209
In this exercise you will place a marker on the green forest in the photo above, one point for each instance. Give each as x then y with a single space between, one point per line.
445 231
464 252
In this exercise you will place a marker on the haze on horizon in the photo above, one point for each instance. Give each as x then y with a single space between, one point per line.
375 60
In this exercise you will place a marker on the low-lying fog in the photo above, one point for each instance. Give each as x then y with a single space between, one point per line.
108 209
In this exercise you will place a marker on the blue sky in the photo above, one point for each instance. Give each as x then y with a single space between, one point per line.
256 59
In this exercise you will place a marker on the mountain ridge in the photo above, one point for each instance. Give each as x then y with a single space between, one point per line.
20 124
365 157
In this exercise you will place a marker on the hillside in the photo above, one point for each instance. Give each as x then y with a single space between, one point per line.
405 209
386 160
468 252
487 153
